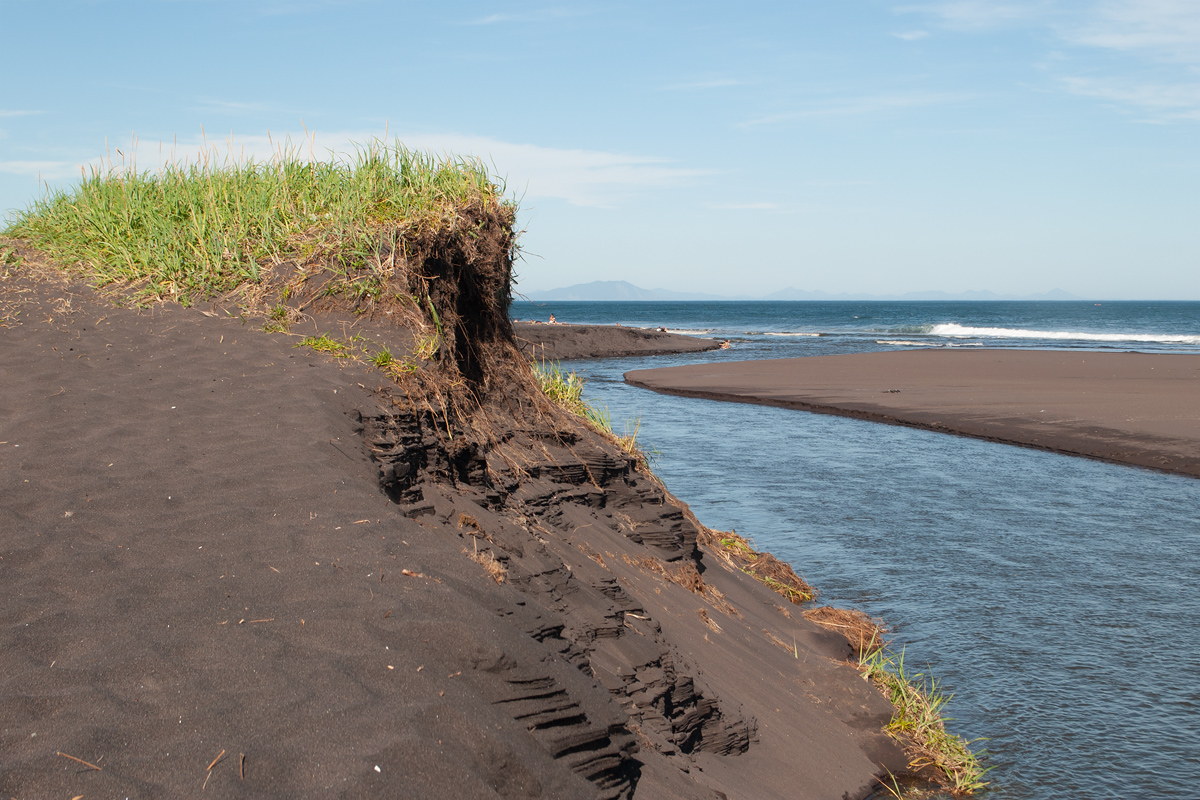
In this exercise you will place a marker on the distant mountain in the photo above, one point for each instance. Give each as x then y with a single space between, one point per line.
617 290
625 291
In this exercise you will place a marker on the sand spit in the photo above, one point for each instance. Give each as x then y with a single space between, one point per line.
560 342
1131 408
238 566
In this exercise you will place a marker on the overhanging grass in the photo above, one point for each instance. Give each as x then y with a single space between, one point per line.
918 720
193 231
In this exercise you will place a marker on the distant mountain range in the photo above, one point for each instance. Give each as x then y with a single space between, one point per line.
624 291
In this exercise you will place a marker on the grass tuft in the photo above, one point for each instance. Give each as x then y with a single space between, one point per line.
737 552
919 722
491 565
203 230
565 389
324 344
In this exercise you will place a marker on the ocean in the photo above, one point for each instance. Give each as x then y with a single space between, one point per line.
1056 597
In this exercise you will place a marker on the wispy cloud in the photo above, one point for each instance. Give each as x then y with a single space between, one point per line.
744 206
48 170
977 14
842 182
491 19
858 106
910 36
1165 34
715 83
232 107
539 15
580 177
1168 28
6 112
1160 103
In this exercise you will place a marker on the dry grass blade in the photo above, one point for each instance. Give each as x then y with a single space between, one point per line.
865 634
737 552
79 760
490 564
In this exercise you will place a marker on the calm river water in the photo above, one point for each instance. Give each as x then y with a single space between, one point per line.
1057 597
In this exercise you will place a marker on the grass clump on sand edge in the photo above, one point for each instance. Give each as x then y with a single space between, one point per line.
737 552
565 390
204 230
422 243
919 724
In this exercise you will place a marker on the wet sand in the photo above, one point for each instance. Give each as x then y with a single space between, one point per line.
1131 408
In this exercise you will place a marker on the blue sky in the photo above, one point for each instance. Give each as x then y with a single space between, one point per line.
848 146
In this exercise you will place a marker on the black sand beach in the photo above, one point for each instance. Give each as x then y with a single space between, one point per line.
1130 408
239 567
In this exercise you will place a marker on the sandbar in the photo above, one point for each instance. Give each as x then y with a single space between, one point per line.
561 342
1141 409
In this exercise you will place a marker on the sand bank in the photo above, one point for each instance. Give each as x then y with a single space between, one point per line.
561 342
236 566
1131 408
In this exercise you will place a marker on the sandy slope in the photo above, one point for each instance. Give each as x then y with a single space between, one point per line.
210 543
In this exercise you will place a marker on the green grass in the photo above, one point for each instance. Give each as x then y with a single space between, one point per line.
384 361
195 231
919 703
565 389
324 344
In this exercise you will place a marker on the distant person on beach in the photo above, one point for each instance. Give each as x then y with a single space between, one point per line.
553 321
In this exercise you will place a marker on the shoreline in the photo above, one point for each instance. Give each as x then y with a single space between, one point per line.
1137 409
559 341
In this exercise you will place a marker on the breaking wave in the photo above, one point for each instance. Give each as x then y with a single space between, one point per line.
955 330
